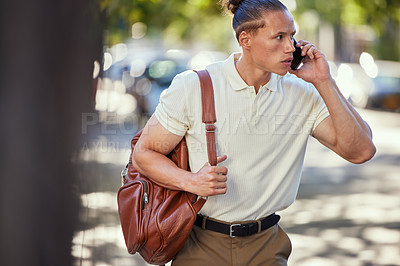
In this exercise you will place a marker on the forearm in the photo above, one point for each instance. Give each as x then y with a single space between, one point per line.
344 131
208 181
360 120
164 172
353 136
149 159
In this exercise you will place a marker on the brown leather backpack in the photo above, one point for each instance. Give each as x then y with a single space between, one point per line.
157 221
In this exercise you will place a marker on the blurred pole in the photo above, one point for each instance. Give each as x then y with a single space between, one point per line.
47 52
326 40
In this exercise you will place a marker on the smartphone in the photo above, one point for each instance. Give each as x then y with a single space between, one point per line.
297 57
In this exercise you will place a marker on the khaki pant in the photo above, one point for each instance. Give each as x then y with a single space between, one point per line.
208 248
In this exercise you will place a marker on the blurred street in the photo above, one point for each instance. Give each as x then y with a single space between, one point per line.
80 78
349 214
345 214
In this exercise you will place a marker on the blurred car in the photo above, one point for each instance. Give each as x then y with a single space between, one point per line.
376 86
145 71
385 92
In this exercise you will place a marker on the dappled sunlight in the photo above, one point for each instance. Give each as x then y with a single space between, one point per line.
345 214
97 200
318 261
105 154
98 236
103 243
360 208
382 235
351 244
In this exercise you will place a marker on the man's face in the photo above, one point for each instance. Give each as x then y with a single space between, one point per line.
271 47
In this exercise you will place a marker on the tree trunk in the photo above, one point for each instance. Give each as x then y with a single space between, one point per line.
47 52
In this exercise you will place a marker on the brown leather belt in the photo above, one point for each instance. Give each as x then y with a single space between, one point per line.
237 229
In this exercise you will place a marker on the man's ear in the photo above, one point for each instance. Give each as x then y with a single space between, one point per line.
245 40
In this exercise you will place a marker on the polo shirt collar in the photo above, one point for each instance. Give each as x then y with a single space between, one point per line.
236 81
272 84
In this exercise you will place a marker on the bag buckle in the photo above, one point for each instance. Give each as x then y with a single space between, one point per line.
124 171
231 229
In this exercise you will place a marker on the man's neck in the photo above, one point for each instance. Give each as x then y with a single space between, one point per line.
252 75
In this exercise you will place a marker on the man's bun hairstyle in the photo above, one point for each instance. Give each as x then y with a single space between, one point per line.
248 14
233 5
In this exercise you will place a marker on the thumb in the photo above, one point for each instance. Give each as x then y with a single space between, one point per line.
219 160
222 158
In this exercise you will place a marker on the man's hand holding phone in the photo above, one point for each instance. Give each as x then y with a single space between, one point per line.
315 68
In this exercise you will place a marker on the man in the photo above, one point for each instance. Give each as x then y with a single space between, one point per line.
264 118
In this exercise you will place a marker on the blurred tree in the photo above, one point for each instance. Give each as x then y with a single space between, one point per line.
47 52
192 20
383 16
174 20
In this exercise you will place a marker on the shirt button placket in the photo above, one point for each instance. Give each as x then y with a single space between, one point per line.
253 97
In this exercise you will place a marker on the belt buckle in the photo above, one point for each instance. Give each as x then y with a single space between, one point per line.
231 229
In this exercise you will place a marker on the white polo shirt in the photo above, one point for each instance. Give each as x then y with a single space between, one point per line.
264 136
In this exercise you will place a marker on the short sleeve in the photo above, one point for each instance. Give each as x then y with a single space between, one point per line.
172 110
320 111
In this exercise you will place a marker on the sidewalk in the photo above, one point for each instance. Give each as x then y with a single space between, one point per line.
344 214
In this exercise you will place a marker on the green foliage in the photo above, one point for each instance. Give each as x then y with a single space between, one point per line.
376 13
176 19
383 16
179 21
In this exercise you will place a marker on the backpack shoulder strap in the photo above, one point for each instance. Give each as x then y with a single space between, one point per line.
208 113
